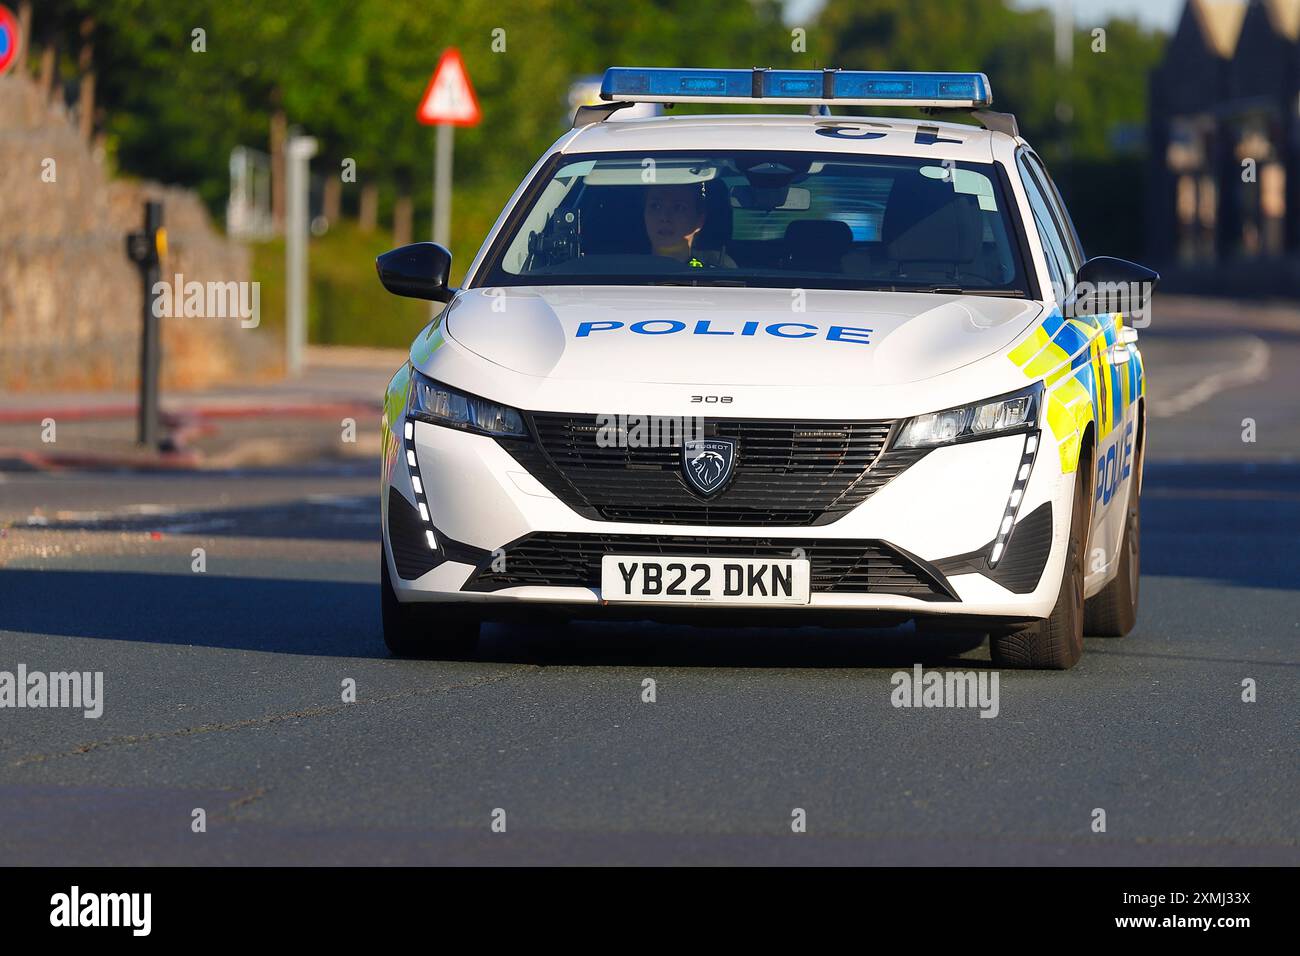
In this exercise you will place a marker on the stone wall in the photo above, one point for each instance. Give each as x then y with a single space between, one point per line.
70 300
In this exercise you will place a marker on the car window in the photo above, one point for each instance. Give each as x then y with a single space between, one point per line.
1062 215
779 219
1059 262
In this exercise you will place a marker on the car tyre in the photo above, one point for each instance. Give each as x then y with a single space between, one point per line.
1112 612
1056 642
423 630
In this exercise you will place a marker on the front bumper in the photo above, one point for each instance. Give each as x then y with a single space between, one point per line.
937 521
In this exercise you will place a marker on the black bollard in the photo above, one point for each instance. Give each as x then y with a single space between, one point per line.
145 249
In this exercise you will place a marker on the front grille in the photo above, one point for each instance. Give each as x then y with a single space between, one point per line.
570 559
787 472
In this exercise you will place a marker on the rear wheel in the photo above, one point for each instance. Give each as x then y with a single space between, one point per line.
1055 643
1112 612
423 630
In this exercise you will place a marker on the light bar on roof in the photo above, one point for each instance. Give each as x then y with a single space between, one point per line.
829 87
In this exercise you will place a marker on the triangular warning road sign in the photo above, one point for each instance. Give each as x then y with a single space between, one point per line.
450 98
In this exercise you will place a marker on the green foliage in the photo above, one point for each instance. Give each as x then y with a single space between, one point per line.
351 74
346 305
1015 48
1071 117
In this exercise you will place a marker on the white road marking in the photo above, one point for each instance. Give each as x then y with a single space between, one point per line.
149 509
1252 368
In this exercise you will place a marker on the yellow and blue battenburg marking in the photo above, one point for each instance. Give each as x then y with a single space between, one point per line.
1082 384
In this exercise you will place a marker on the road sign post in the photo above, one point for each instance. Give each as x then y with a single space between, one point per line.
448 102
442 164
298 153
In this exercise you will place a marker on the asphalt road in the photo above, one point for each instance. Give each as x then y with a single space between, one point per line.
222 690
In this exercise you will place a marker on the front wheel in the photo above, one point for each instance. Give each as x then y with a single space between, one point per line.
1113 610
423 630
1055 643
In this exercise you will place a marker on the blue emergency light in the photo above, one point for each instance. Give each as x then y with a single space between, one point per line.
829 87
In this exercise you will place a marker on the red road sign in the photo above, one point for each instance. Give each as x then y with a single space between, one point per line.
8 39
450 98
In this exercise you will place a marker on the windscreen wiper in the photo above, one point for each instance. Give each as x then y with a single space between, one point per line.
958 290
734 283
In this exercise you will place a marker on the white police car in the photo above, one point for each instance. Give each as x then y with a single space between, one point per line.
786 368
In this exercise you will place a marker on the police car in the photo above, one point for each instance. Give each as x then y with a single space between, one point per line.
798 368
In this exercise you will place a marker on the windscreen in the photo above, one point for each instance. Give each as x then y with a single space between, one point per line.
777 219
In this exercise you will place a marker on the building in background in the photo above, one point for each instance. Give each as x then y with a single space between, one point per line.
1224 187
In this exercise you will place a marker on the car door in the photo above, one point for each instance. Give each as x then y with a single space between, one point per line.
1112 404
1125 393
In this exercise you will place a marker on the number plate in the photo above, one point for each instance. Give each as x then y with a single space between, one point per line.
660 580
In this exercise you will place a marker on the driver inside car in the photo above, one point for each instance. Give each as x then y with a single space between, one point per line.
674 218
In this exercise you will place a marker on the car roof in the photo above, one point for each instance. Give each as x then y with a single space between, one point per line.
900 137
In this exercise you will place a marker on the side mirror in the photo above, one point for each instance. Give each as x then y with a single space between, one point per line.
1107 284
418 270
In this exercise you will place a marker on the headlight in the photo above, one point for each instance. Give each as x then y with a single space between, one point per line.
434 402
1006 413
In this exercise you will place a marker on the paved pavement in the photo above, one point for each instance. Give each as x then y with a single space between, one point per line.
266 425
223 690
